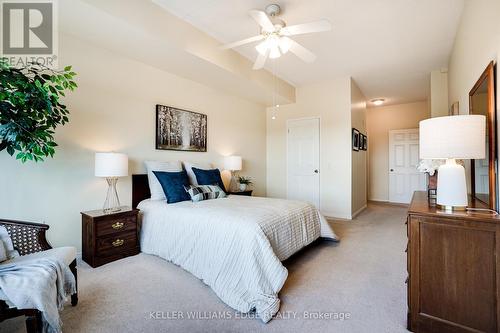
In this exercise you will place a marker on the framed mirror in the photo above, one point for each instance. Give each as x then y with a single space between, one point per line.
484 172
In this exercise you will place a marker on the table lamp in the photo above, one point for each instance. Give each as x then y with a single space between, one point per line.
111 166
451 138
232 163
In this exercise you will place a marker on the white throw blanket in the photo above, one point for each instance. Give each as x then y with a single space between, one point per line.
42 284
235 244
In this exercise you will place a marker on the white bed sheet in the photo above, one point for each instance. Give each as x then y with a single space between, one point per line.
235 244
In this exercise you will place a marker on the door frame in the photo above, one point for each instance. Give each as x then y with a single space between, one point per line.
288 121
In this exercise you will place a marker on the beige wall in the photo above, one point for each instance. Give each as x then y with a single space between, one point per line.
477 43
330 101
379 122
114 109
358 158
439 93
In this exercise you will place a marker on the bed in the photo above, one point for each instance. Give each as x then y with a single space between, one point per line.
235 245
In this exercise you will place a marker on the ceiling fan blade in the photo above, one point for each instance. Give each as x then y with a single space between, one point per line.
301 52
242 42
306 28
261 60
262 19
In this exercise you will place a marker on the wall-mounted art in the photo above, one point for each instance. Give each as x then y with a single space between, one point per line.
355 139
178 129
360 141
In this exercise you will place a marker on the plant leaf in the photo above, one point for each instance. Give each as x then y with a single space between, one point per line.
30 109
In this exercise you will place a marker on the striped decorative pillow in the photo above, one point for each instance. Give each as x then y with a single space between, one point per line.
205 192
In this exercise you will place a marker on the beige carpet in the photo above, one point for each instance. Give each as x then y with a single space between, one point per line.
361 277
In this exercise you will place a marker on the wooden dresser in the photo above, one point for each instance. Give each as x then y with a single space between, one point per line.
108 237
453 268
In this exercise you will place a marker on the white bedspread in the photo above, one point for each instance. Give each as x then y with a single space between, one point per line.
235 245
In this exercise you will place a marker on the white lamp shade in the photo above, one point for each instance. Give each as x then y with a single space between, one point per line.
111 165
459 137
233 163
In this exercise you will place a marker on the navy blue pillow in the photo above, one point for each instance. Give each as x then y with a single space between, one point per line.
209 177
173 185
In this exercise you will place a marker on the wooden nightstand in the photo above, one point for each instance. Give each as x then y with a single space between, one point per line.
109 237
247 193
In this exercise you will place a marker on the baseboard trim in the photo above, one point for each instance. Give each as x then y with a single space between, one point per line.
388 203
330 216
341 219
356 213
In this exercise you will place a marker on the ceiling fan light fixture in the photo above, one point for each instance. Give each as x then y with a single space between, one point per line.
275 53
285 44
275 36
273 41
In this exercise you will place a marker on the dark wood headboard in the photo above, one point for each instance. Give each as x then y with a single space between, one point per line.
140 189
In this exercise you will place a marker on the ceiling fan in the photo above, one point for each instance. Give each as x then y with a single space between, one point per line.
275 36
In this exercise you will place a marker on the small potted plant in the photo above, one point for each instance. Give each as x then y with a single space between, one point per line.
244 182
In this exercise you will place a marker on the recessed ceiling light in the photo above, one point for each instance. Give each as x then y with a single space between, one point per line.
378 101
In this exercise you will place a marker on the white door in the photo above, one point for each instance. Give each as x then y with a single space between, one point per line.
404 178
303 160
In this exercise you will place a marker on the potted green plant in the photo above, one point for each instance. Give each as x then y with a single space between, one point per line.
244 182
31 109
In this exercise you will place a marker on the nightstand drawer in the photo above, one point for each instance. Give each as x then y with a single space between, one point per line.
109 237
116 243
116 225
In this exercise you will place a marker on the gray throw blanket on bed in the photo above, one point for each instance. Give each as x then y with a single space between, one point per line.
42 284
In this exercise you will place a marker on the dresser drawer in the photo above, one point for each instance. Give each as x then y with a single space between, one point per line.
116 225
116 243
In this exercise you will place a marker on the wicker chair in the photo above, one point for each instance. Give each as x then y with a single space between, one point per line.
29 238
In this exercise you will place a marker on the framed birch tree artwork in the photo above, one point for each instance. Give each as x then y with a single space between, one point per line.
178 129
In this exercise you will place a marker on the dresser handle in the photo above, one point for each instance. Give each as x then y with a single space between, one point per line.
118 242
117 225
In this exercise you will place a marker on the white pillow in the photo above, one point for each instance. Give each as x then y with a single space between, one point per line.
154 185
7 243
189 170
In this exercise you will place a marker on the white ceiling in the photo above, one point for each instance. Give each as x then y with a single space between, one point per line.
141 31
389 47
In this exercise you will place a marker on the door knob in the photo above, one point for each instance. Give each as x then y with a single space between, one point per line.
316 171
392 170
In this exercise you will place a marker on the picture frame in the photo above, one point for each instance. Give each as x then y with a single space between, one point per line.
355 139
179 129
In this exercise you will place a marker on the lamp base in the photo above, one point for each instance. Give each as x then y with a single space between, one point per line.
233 183
451 209
112 203
452 187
